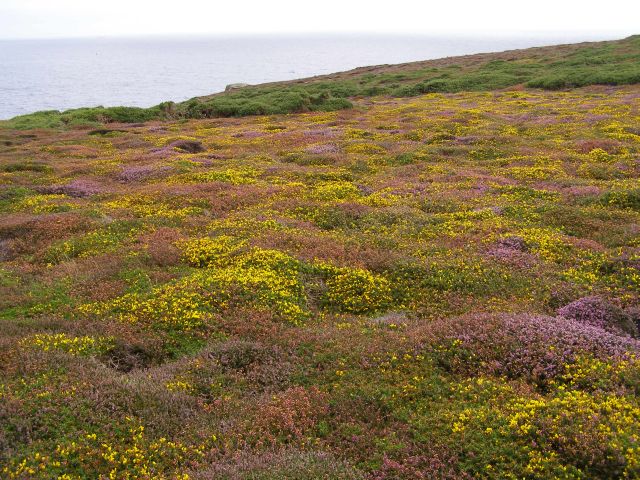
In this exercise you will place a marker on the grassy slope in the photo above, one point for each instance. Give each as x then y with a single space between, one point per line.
436 286
557 67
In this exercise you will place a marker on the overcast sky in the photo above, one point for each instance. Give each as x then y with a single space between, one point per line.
81 18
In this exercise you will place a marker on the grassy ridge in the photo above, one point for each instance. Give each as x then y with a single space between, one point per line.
552 68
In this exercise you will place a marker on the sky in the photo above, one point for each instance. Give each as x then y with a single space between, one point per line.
88 18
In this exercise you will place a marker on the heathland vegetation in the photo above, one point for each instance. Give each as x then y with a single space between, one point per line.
441 281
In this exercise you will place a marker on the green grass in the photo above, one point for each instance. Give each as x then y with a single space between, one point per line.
82 116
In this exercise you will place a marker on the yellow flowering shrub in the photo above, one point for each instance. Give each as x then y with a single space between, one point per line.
459 223
234 176
103 240
599 155
358 133
600 269
180 385
355 290
576 424
134 456
245 226
143 206
550 244
267 279
589 373
85 345
177 306
162 141
209 252
338 190
536 172
380 198
49 203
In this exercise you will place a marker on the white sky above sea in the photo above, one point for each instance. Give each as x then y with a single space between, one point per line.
91 18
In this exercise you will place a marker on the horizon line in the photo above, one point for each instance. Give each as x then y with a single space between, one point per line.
533 34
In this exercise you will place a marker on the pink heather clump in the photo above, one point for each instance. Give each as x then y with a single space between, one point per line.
188 146
583 190
517 118
249 134
76 188
592 119
286 463
545 120
466 140
535 347
323 149
158 129
141 172
511 250
319 132
545 344
597 311
162 152
513 243
420 467
517 259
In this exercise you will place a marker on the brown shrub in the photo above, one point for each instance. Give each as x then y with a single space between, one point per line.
609 146
128 355
288 464
160 246
310 247
29 233
245 322
289 416
189 146
264 367
74 151
96 278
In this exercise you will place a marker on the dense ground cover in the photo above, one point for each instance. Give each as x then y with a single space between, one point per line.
440 286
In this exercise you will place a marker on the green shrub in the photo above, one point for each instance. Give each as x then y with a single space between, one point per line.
26 166
11 195
43 119
402 159
333 104
625 199
83 117
264 102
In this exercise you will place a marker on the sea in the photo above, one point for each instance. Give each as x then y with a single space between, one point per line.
62 74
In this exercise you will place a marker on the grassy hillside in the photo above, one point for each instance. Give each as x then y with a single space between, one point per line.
551 68
440 286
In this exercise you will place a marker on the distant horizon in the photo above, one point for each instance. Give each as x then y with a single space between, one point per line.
573 36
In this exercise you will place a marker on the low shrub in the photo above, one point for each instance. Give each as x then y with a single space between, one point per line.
26 167
287 464
625 199
358 291
597 311
83 117
290 416
533 347
188 146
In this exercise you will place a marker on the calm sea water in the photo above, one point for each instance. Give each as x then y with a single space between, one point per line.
62 74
